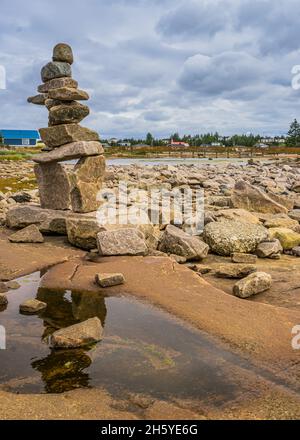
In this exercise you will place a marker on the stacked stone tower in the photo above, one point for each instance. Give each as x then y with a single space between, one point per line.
65 139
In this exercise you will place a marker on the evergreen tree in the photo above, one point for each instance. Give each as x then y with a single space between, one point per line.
293 137
149 139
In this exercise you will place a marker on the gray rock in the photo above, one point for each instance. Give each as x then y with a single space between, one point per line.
66 133
68 113
63 52
252 285
109 279
124 241
54 186
296 251
237 257
21 197
30 234
175 241
48 221
55 69
235 270
226 237
269 249
78 335
32 306
74 150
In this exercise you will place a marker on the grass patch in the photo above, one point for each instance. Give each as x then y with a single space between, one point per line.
16 184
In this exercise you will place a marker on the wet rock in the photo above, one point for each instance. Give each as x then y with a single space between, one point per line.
65 134
55 69
252 285
32 306
226 237
86 181
287 237
54 186
237 257
30 234
57 83
3 300
47 220
38 99
124 241
13 285
82 232
175 241
68 113
269 249
3 287
235 270
78 335
109 279
63 52
252 198
74 150
68 94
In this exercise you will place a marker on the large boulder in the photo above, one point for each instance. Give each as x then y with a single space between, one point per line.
123 241
82 232
86 181
54 186
227 237
47 220
287 237
252 285
175 241
30 234
252 198
74 150
66 133
78 335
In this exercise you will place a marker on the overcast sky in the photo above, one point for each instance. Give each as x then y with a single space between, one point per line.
158 65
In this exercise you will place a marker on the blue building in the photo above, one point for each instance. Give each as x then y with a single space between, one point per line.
20 138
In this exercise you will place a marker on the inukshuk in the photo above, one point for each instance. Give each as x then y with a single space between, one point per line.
65 139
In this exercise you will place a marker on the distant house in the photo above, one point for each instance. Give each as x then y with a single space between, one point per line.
20 138
124 144
178 144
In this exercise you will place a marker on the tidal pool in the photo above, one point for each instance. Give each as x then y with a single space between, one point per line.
144 350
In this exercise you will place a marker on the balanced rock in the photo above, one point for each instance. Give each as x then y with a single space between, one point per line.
30 234
68 113
235 270
68 94
74 150
86 181
63 52
269 249
66 133
123 241
226 237
32 306
252 285
175 241
109 279
78 335
54 186
238 257
252 198
57 83
55 69
49 103
37 99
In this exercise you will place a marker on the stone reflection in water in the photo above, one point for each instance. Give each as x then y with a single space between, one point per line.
62 370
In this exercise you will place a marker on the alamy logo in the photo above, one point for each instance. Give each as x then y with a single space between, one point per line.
296 338
2 78
2 338
296 77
